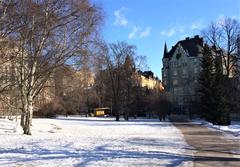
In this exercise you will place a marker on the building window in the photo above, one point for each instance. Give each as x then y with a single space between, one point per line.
165 73
180 100
184 63
176 90
224 71
195 70
195 61
175 81
175 72
180 90
184 71
178 55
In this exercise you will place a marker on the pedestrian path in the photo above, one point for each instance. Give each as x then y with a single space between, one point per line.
211 147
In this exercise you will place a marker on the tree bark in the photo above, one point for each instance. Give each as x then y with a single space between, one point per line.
23 115
29 115
117 116
116 108
22 120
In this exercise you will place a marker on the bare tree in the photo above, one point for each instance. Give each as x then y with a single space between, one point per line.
223 34
116 77
130 80
115 60
46 34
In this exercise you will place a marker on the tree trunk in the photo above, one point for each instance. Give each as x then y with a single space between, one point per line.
117 116
23 114
28 120
116 108
160 117
22 119
126 117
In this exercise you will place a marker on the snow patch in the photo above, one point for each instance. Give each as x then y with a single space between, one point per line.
233 129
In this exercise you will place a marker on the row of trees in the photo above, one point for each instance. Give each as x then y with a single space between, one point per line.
40 38
117 79
219 79
118 83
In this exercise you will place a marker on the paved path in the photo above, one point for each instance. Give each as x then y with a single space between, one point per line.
210 146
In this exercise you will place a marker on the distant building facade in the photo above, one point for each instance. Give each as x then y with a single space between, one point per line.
148 80
7 77
180 72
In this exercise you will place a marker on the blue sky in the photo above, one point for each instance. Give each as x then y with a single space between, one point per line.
148 24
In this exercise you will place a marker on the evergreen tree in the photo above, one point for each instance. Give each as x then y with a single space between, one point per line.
206 84
221 114
213 100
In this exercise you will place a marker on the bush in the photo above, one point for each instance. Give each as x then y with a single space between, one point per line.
49 111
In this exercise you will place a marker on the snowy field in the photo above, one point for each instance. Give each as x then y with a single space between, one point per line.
79 141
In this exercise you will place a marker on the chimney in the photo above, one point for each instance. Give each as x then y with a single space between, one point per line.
196 36
214 47
187 38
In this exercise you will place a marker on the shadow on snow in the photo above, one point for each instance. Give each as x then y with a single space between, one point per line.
106 153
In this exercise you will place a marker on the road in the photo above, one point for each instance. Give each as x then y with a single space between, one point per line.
211 147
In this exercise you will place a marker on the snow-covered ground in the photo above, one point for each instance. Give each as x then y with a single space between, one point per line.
233 129
79 141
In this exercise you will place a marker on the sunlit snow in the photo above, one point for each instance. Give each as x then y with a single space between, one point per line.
80 141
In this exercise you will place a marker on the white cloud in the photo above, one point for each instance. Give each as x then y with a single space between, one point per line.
163 32
132 34
181 30
197 25
168 33
145 33
138 32
120 18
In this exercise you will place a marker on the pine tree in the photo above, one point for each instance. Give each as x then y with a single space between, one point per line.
206 84
213 100
221 115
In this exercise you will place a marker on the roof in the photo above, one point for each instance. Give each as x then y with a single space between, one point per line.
103 108
146 74
192 45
